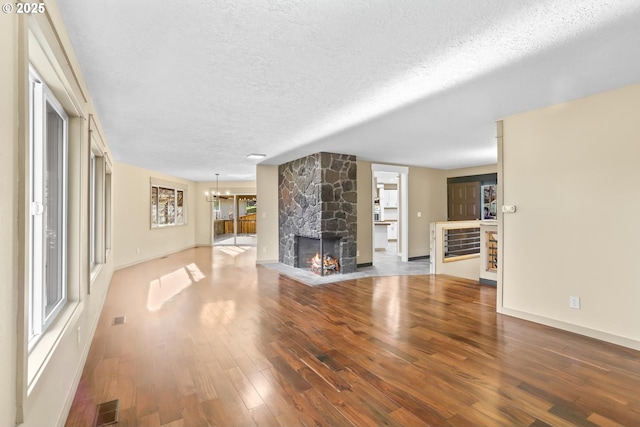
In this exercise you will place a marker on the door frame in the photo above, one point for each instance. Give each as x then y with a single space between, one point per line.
403 207
235 218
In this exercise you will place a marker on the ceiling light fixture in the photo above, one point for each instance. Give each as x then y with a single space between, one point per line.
214 196
256 156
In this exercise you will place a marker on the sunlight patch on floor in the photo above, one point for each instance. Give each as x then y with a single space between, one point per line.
234 250
166 287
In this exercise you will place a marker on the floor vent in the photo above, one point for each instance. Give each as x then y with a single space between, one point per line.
107 413
120 320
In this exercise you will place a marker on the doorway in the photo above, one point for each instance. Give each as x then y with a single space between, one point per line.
234 220
390 207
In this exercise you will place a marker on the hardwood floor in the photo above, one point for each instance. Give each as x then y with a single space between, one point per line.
211 339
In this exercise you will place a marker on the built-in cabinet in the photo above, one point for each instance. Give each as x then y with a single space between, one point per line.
389 198
385 210
392 231
380 236
388 204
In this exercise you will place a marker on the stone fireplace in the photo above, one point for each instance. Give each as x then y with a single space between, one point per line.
318 213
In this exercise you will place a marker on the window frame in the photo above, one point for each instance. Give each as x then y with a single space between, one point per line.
98 203
177 213
92 210
39 320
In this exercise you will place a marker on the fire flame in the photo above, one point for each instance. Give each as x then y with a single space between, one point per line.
329 265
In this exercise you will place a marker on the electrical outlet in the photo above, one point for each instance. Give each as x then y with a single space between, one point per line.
419 214
137 250
79 335
357 253
574 302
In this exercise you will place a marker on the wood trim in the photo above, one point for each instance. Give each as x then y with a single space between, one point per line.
460 258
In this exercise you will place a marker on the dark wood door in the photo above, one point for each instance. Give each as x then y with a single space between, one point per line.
464 201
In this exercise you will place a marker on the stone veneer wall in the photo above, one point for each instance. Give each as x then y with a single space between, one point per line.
318 200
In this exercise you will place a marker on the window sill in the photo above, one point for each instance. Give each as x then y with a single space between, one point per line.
95 272
44 349
158 227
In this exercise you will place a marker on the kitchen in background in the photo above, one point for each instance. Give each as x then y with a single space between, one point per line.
385 212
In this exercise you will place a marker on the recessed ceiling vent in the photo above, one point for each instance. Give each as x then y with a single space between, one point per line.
120 320
107 413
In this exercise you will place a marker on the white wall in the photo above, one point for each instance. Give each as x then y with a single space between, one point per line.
572 172
134 239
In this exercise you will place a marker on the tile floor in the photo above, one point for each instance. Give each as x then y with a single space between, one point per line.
385 263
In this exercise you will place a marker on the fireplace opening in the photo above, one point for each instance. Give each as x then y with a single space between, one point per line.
320 256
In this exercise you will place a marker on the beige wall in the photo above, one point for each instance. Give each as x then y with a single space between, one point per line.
427 196
203 208
8 209
475 170
572 172
134 240
48 399
365 212
267 222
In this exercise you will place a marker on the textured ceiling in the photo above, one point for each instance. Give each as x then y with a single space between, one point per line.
191 88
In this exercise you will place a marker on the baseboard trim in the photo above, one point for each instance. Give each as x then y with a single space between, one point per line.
156 256
487 282
364 264
576 329
83 357
267 261
416 258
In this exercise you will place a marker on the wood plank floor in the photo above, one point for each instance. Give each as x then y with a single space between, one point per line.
211 339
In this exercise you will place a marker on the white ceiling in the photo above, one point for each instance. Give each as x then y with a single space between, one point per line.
191 88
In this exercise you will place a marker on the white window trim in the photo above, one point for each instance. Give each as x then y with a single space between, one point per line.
39 322
97 203
108 185
92 210
176 188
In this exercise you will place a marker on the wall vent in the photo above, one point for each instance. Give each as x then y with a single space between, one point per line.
107 413
120 320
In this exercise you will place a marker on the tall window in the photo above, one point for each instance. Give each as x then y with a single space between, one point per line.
97 205
99 201
107 210
167 206
93 223
48 216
